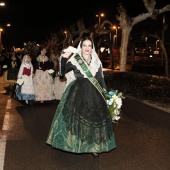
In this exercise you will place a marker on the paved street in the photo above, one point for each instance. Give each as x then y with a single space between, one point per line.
142 137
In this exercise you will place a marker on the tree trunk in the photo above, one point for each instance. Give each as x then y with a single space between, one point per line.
166 58
123 48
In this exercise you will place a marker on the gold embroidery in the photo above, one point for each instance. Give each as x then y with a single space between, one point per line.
13 63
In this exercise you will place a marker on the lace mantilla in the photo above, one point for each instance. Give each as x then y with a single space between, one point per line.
42 59
93 67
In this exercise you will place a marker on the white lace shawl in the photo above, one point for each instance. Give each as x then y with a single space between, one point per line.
42 59
25 64
94 65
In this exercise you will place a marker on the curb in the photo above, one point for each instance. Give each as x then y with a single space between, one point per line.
161 106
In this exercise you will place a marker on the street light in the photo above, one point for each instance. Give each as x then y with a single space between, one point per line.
146 40
116 28
99 16
157 44
2 4
157 52
1 40
114 41
1 30
65 32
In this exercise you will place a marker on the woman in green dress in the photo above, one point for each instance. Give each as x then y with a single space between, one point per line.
82 123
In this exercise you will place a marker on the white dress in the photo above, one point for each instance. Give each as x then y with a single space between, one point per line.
43 81
59 87
26 91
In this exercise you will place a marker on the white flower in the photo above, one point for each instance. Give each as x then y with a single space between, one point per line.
110 102
114 104
116 112
50 71
118 102
20 82
115 118
4 66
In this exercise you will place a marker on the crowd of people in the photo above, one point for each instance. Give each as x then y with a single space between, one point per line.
82 123
31 77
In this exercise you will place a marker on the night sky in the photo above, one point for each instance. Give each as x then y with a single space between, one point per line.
33 20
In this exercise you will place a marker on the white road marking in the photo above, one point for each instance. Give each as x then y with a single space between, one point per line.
6 121
3 137
8 106
2 154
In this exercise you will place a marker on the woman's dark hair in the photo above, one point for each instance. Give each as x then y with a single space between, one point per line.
86 38
42 47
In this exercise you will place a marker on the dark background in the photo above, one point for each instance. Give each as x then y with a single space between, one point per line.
33 20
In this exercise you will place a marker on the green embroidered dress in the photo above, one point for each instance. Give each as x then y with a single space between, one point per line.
82 123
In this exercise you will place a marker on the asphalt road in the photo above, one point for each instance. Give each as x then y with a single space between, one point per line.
142 138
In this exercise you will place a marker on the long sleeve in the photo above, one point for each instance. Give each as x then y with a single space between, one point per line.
64 66
100 79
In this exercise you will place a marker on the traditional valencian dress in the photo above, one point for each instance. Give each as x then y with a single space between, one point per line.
82 123
26 90
13 64
59 87
43 81
59 84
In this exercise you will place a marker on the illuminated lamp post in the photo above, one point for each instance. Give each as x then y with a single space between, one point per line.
157 44
1 30
116 39
99 16
1 40
116 28
157 52
2 4
65 32
146 40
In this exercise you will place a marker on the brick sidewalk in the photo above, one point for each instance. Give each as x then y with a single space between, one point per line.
3 84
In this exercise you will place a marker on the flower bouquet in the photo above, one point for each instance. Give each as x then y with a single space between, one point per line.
114 104
51 72
20 81
4 66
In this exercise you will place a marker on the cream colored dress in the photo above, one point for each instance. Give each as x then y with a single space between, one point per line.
59 87
43 81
